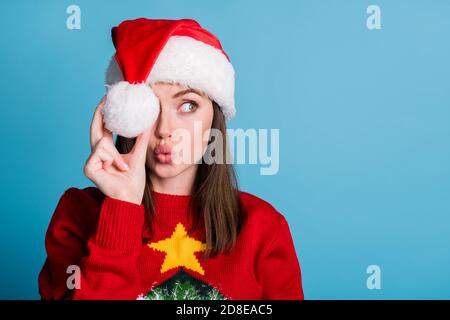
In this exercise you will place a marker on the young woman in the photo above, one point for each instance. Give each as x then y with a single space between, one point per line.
153 228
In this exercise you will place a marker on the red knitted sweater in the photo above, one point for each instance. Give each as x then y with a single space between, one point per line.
103 237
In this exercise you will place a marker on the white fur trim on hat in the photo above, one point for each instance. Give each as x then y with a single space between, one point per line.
192 63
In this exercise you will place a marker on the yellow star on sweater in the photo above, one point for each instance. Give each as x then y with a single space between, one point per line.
179 249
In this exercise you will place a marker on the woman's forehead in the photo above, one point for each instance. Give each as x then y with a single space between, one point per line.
172 88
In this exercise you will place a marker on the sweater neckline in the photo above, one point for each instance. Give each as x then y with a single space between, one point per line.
170 209
171 199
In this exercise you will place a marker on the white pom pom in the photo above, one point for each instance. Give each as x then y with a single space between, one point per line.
130 109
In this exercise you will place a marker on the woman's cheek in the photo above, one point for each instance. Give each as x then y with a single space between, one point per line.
198 146
196 150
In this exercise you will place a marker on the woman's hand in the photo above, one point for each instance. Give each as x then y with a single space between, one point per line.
119 176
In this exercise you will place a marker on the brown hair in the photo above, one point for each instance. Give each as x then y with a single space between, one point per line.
215 197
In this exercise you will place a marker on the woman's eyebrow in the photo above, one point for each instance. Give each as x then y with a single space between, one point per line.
183 92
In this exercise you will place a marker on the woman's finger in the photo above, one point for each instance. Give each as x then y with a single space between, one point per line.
139 151
108 134
97 128
106 158
109 146
99 159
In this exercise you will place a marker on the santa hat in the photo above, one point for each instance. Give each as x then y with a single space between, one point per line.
174 51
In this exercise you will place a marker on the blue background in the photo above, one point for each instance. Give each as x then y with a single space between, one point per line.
363 116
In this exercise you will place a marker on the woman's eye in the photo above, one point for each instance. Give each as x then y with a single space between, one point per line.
188 107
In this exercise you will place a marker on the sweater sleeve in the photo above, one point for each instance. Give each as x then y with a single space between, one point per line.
279 268
105 259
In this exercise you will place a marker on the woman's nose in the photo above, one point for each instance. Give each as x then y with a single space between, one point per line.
164 124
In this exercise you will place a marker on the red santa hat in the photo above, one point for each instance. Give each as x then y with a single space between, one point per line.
174 51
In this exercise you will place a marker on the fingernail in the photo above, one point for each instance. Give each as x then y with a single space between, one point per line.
125 166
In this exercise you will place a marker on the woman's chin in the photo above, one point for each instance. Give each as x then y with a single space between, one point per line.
166 171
